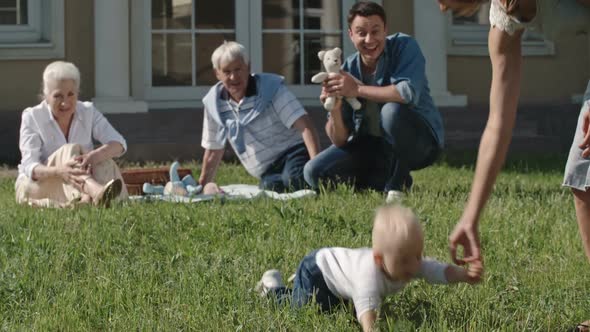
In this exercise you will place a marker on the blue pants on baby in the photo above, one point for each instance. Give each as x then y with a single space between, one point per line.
309 283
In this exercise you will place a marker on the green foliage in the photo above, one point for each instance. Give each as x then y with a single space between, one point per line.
166 266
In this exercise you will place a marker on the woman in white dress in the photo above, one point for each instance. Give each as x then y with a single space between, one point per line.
59 165
508 19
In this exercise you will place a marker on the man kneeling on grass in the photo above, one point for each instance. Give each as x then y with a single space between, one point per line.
365 275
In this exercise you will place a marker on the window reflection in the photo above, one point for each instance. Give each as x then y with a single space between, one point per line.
171 14
215 14
280 14
171 60
313 44
322 14
281 56
184 34
13 12
294 31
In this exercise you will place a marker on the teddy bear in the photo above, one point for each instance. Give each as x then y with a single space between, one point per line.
332 62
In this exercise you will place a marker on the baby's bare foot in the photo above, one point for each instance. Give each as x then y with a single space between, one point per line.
211 188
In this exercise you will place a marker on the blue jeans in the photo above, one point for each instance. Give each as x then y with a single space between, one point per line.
286 173
309 283
379 163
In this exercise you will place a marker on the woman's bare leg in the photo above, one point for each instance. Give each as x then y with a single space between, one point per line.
582 203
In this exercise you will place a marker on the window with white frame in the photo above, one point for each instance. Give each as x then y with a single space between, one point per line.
281 36
184 34
20 21
13 12
294 31
469 36
31 29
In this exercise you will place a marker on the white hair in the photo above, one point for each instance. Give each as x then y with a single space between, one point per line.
228 52
60 71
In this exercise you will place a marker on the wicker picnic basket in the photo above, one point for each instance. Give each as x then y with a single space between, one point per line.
135 177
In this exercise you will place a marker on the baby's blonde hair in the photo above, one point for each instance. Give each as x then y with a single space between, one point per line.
396 228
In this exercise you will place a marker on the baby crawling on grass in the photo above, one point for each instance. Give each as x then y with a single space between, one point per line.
367 275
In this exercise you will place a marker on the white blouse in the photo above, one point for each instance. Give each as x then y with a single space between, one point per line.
501 20
40 135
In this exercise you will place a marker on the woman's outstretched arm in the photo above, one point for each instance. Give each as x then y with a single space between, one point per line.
505 55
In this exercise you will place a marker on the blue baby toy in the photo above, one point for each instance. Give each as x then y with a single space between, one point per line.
185 187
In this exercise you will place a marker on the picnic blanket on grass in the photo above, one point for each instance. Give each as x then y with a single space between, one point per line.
230 192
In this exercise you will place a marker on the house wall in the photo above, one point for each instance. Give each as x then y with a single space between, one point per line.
23 87
400 16
546 79
548 84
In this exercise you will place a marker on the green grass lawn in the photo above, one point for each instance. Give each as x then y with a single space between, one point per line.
165 266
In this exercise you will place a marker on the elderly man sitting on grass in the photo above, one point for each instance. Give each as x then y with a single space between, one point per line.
267 127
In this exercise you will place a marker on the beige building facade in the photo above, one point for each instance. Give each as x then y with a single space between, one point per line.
136 56
169 42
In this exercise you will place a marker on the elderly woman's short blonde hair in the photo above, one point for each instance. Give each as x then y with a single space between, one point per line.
227 52
396 228
59 71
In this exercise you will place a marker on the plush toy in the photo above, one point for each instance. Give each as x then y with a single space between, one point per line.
185 187
332 62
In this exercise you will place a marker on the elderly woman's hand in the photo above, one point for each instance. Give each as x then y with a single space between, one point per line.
87 160
71 173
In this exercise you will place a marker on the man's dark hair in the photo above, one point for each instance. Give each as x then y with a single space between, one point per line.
366 9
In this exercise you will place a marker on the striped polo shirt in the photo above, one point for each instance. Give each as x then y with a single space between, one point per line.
264 138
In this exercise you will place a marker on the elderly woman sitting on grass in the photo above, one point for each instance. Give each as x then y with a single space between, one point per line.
59 165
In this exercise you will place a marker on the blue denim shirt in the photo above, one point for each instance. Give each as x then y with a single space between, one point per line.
402 64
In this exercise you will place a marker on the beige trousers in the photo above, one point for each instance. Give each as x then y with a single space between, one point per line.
54 192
